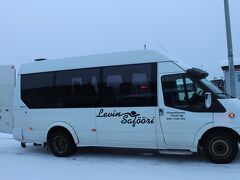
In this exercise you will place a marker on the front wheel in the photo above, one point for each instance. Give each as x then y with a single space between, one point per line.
220 147
61 144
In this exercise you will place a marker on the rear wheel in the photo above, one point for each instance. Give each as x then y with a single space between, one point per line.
61 144
220 147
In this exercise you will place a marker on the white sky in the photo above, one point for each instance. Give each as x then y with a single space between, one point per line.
190 30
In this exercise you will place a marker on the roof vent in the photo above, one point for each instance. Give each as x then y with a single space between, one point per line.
40 59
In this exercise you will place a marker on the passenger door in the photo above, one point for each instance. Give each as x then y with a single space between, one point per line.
183 110
128 116
133 127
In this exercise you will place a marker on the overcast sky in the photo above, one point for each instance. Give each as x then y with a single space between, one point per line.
190 30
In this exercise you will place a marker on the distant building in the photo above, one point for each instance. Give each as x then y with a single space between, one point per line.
225 69
219 83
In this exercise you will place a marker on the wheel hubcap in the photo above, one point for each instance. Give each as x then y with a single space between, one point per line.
220 148
60 144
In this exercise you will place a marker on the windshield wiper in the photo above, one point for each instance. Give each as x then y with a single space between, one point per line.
222 93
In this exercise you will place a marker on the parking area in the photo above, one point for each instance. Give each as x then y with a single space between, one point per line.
39 164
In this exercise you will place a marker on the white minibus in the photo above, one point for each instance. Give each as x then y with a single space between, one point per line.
139 99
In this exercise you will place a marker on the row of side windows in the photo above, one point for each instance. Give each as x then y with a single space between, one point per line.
114 86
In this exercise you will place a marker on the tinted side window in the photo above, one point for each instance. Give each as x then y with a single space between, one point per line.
118 86
37 90
181 92
77 88
129 85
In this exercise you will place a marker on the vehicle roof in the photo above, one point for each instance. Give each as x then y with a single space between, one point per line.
120 58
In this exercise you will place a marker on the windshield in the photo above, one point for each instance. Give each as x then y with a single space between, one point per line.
215 89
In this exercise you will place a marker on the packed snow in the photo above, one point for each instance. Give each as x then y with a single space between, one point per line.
35 163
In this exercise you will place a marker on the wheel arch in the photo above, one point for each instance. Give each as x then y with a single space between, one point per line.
64 126
217 129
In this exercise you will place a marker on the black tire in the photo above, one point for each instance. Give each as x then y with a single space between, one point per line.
220 147
61 144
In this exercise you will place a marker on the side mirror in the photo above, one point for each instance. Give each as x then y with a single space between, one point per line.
208 100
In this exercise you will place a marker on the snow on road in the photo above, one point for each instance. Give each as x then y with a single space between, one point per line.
34 163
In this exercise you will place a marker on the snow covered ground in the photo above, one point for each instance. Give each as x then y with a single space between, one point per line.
34 163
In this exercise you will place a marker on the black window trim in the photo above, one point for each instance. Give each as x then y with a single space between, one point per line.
220 108
154 76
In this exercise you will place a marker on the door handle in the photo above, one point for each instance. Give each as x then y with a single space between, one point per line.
161 112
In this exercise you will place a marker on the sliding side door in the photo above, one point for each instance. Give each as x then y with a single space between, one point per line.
128 113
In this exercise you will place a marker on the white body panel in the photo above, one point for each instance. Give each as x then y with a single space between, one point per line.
179 126
7 86
131 127
223 119
32 125
113 59
81 120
